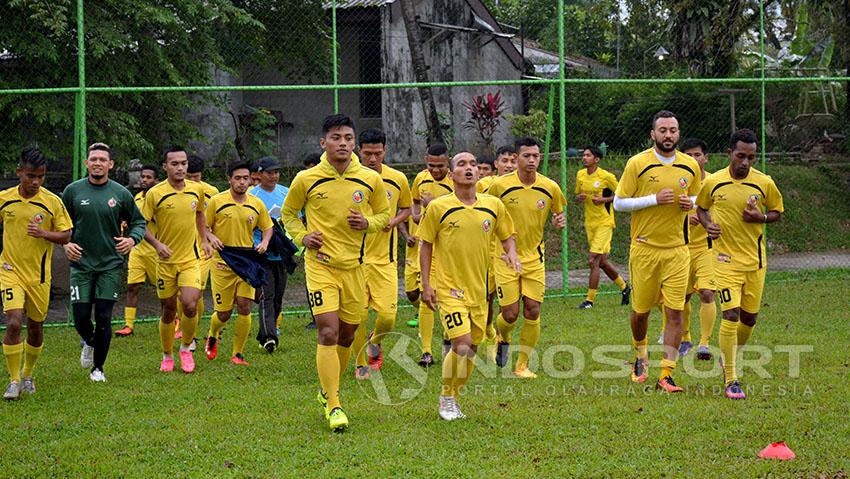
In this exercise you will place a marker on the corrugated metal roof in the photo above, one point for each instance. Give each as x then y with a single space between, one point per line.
343 4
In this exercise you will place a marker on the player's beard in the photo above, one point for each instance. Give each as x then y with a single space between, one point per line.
97 177
662 148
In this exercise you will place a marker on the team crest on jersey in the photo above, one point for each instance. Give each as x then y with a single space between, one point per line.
541 203
357 197
486 225
38 218
112 202
323 257
389 195
456 293
753 200
8 267
194 205
251 219
724 258
683 183
597 184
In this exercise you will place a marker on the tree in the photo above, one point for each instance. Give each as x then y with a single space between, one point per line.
420 71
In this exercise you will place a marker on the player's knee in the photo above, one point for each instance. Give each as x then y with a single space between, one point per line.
706 295
462 346
510 314
730 315
35 332
748 318
531 310
328 335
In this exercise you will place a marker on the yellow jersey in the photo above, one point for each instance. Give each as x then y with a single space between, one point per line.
326 196
234 223
209 192
144 248
698 239
661 226
382 246
484 183
600 183
30 257
529 207
425 184
740 245
174 214
461 235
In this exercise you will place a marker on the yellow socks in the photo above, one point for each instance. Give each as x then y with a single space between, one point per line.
640 347
620 283
744 333
667 367
188 326
343 356
728 340
278 320
686 322
31 354
240 333
426 326
456 372
216 325
465 368
129 316
383 325
505 328
166 337
591 295
13 360
359 344
707 316
327 364
528 337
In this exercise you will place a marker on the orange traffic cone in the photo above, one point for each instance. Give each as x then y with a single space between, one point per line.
777 450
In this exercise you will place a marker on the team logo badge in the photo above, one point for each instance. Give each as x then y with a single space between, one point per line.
596 184
389 195
112 202
486 225
724 258
541 204
250 219
194 205
38 218
357 197
84 202
683 183
323 257
456 293
753 200
8 267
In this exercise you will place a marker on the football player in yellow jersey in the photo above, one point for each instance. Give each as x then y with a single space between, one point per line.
343 201
143 257
176 205
529 198
232 217
32 219
595 188
486 167
734 205
455 234
429 184
380 262
195 172
657 186
701 275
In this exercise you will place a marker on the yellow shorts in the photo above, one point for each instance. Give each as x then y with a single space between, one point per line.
740 289
140 267
205 266
171 276
599 238
702 270
381 287
491 278
460 317
658 271
226 286
412 275
510 285
33 298
332 289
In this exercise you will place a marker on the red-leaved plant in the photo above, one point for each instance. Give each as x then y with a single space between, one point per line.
486 115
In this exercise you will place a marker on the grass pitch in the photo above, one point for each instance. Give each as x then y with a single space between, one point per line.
581 417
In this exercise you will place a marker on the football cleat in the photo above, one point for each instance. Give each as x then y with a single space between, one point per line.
337 420
502 350
97 376
685 347
28 385
524 373
374 354
447 408
735 391
87 356
125 331
426 360
211 348
239 359
639 370
187 362
362 372
167 364
585 305
13 391
703 353
323 401
666 383
270 345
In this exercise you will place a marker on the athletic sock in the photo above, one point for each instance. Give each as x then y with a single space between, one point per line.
200 308
465 367
667 367
620 282
343 356
426 326
327 365
529 334
640 347
216 325
359 344
188 325
450 371
383 324
505 328
728 340
707 316
686 322
744 333
31 354
240 333
13 360
490 332
129 316
278 320
663 317
166 337
591 295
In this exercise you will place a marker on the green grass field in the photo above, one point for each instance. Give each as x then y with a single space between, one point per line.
263 421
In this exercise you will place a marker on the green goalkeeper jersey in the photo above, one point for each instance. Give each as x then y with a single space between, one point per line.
97 212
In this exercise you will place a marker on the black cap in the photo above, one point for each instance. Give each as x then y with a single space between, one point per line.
267 163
